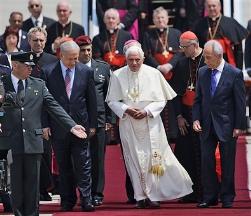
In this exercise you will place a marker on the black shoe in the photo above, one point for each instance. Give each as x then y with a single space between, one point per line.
141 204
187 200
207 204
88 207
97 201
66 208
45 197
131 201
227 205
152 204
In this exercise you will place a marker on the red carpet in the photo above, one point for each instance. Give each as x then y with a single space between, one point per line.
115 195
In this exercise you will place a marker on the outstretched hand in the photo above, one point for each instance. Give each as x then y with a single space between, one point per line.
79 131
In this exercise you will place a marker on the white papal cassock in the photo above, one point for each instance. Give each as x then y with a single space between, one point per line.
144 141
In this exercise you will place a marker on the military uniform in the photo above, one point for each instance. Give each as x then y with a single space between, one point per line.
22 131
98 141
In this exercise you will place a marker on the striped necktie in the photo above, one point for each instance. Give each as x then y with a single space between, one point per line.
67 81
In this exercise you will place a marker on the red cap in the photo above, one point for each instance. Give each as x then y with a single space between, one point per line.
188 35
83 40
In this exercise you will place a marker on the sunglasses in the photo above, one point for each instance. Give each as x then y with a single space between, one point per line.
34 6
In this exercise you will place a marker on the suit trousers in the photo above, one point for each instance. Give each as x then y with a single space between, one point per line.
24 175
74 163
46 181
97 147
212 188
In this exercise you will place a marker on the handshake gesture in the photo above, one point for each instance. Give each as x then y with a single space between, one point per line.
136 113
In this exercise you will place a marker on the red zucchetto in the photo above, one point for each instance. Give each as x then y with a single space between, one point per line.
188 35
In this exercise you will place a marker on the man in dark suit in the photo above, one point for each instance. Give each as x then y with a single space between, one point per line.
72 85
98 141
37 39
37 19
25 98
219 117
64 27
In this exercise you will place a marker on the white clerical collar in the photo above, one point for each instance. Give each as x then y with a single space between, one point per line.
64 24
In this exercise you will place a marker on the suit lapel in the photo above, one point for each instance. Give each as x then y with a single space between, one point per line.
207 82
59 79
222 79
75 81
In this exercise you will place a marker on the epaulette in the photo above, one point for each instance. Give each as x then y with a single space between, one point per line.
36 78
101 61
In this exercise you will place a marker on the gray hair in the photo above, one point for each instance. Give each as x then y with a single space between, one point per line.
133 49
216 47
69 45
115 11
159 10
65 3
36 29
217 1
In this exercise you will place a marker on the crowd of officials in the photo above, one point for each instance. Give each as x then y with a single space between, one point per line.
55 86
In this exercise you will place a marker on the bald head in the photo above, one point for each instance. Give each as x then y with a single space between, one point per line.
213 53
35 7
63 11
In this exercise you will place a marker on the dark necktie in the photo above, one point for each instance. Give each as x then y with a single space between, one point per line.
67 81
36 22
213 81
20 91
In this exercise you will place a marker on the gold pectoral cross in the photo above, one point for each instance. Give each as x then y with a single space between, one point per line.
134 94
165 53
111 57
191 87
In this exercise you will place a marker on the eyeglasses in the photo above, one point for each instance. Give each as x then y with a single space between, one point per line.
34 6
185 46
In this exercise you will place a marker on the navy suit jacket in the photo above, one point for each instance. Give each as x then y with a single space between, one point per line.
28 24
82 105
225 110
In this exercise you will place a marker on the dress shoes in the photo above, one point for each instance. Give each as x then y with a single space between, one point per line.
97 201
88 207
141 204
45 197
227 205
131 201
207 204
152 204
66 208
